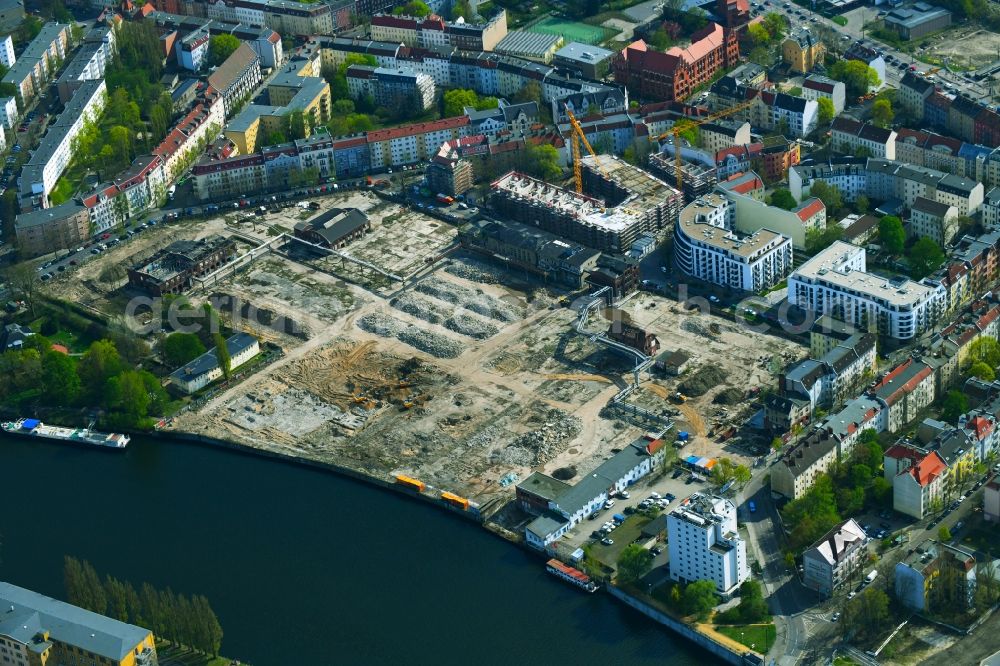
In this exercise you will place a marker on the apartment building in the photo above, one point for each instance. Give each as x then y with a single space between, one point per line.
991 501
802 51
817 87
191 133
918 574
413 143
675 73
89 63
869 56
604 102
914 91
746 184
882 179
434 31
34 68
286 17
707 247
50 229
829 378
391 88
835 282
192 50
54 152
8 113
917 477
904 392
799 114
264 41
705 544
752 215
833 560
35 629
934 220
448 172
991 209
852 137
723 134
237 77
830 440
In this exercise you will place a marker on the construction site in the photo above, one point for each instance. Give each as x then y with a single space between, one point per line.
403 354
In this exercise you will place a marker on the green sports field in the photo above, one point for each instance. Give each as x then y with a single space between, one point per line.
572 31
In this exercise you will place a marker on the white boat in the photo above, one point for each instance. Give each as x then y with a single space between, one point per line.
35 428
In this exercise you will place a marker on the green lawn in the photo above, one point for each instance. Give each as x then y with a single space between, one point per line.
839 20
62 192
759 637
841 660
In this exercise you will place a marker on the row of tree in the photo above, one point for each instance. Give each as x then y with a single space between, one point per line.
189 621
845 490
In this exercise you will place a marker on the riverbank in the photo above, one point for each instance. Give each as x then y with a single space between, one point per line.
285 551
730 651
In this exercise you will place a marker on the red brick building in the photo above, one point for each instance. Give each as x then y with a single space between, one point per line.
673 74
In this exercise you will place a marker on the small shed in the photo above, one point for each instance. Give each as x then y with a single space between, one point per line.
673 362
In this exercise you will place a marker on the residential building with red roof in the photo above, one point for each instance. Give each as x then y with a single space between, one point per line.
904 392
919 484
675 73
748 184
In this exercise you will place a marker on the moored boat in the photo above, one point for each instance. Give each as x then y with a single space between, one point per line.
35 428
571 575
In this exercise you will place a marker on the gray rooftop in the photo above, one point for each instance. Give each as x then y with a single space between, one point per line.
524 42
602 478
45 215
25 613
584 53
209 360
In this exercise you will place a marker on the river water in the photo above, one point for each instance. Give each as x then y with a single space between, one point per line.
302 566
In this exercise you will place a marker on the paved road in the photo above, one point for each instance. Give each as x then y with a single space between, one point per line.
854 31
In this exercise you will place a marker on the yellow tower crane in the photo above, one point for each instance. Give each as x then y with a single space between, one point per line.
580 137
676 132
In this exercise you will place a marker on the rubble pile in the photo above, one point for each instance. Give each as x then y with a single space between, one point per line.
542 443
434 344
476 271
474 327
473 300
421 308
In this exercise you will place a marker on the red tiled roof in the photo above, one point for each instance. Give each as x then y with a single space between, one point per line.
806 212
417 128
927 469
981 425
903 452
703 42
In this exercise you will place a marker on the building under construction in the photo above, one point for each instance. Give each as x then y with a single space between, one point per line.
697 178
622 203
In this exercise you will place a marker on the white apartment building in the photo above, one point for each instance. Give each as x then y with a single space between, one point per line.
7 56
705 545
707 248
834 282
54 153
849 136
8 112
799 113
918 479
412 143
831 561
817 87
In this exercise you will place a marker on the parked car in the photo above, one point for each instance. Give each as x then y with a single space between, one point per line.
608 541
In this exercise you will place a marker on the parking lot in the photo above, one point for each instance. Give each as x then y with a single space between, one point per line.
670 489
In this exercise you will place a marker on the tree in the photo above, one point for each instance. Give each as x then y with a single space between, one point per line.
924 258
98 364
221 47
881 491
758 34
867 613
891 235
634 562
982 371
687 130
23 281
726 470
127 394
413 8
180 348
60 383
222 353
296 125
456 100
775 24
857 76
699 598
861 204
944 534
826 111
542 161
529 92
461 9
882 113
829 194
954 405
811 516
985 349
818 239
782 198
